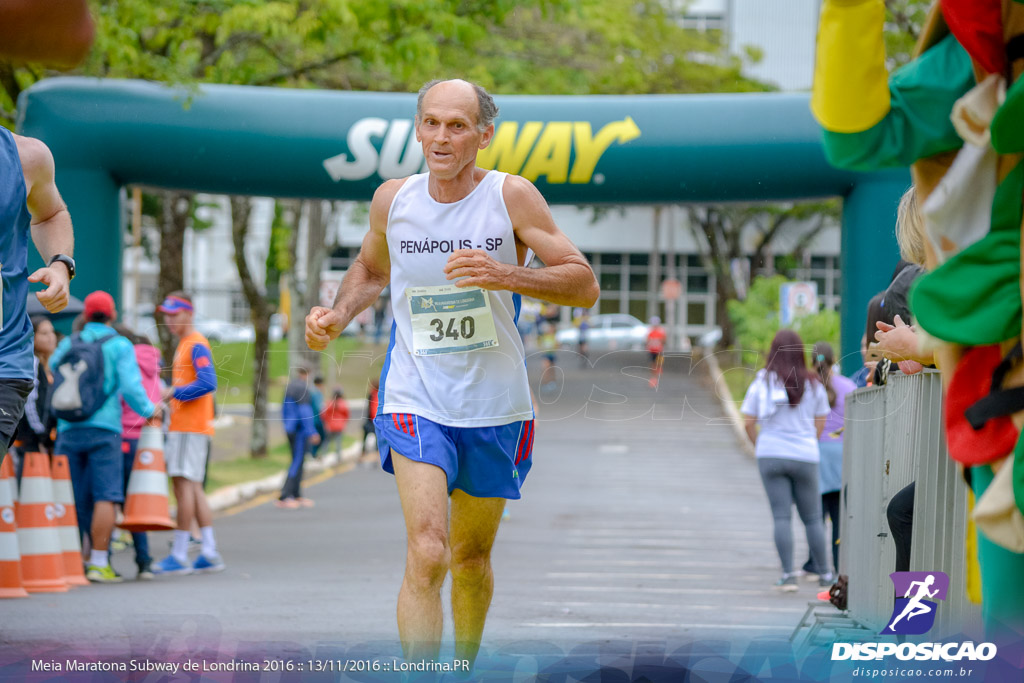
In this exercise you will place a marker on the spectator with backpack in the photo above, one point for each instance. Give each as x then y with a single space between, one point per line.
92 370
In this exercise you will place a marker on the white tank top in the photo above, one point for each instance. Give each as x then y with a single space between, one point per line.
427 373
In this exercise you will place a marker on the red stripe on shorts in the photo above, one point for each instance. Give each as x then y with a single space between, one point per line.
394 418
529 446
524 437
405 425
412 426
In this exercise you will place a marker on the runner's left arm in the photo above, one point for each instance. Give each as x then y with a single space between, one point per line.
566 278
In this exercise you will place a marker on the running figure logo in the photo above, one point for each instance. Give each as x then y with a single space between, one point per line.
914 613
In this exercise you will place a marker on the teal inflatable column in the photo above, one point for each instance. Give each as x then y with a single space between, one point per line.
93 199
868 255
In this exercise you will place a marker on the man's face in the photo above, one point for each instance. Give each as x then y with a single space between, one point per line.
448 130
177 322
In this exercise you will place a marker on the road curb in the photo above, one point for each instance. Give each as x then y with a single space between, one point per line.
228 497
724 396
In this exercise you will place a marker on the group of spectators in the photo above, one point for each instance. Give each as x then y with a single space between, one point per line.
800 413
96 389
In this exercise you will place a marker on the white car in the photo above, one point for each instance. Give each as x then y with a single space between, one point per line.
608 332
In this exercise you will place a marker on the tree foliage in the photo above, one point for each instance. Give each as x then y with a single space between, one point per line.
756 321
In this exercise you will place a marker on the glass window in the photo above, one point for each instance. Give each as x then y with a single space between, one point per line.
589 256
608 305
697 283
611 259
639 259
819 262
611 281
694 261
638 308
696 313
638 282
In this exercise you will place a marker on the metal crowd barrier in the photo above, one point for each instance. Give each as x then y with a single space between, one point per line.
893 436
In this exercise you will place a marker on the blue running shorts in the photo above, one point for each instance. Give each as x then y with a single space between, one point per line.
485 462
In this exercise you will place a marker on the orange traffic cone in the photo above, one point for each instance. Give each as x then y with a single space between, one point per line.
147 507
67 522
11 585
42 562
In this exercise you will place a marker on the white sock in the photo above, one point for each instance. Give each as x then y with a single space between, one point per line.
209 544
100 558
180 548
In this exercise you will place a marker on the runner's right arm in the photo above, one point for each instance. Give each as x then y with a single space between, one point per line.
366 278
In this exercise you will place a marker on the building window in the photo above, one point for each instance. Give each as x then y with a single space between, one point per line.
608 305
638 308
639 259
611 281
696 313
697 283
638 282
611 259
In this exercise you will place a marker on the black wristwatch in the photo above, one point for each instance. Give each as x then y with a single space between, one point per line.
67 261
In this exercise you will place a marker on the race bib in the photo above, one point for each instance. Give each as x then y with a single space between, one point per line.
448 319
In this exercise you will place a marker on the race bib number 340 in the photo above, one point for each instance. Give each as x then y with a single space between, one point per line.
447 319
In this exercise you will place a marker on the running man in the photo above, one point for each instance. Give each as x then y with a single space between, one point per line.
455 418
31 208
915 606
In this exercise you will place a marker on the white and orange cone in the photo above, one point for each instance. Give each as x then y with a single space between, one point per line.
42 561
146 507
11 585
67 522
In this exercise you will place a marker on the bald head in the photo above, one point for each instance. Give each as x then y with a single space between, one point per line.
455 89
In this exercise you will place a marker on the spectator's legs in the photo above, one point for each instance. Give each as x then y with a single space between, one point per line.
77 464
900 513
106 485
294 479
184 492
779 488
139 539
830 508
806 491
103 516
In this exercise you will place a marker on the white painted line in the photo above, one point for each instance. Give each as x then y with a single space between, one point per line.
666 591
629 624
672 564
661 605
640 575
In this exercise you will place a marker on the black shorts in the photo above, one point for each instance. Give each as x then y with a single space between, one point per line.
13 393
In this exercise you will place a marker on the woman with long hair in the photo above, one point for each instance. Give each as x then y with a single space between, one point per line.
790 404
830 443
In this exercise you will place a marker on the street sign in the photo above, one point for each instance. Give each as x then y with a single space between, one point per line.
671 289
797 299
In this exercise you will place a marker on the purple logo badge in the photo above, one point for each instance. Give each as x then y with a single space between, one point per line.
914 612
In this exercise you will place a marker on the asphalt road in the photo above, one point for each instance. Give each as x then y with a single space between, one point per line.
642 527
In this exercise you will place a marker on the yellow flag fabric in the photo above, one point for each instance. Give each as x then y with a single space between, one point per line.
851 83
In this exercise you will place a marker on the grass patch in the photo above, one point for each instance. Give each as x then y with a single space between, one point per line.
240 470
228 472
737 372
348 362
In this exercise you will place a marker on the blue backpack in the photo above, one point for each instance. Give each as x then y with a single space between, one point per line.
78 380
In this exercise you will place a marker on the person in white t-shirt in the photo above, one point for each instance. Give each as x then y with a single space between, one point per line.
790 405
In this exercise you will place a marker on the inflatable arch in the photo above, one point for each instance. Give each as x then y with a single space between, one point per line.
105 134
